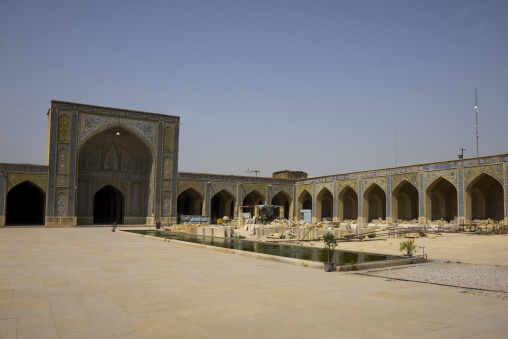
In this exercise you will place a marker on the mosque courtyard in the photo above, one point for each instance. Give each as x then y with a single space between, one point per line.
93 283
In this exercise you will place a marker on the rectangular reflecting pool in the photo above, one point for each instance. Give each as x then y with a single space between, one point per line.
276 249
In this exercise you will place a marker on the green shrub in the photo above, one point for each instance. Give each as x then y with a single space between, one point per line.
408 246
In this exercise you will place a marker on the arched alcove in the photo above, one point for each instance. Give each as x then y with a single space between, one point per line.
120 158
485 198
374 203
108 206
190 202
347 204
324 205
222 205
25 205
404 201
441 200
283 199
304 202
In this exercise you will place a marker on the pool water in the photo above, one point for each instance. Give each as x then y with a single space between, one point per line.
277 249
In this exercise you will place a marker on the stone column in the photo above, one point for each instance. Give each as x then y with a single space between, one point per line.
421 203
207 200
506 195
313 210
360 221
460 197
2 200
389 218
335 218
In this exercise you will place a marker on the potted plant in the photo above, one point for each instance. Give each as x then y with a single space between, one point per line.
409 247
113 227
330 244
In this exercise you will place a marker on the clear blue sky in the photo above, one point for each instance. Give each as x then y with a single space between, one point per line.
318 86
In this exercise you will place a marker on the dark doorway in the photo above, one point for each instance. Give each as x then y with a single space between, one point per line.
108 206
25 205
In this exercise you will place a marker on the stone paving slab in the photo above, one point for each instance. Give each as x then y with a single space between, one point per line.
93 283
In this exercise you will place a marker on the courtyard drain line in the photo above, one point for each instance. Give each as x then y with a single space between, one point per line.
432 283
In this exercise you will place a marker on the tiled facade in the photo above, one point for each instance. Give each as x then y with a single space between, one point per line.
149 180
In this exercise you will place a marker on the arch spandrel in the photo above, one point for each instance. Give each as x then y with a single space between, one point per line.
40 180
230 187
303 191
327 185
192 190
449 175
120 186
412 178
91 125
276 189
379 181
323 191
471 173
248 188
341 185
199 186
302 188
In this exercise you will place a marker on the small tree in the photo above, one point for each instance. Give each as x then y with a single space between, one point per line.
408 246
330 244
113 226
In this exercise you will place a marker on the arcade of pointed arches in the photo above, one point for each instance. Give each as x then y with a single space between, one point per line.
483 199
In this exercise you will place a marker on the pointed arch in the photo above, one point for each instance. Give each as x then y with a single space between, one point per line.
304 202
347 204
484 198
108 205
441 200
190 202
25 204
119 157
284 199
324 204
374 203
404 202
222 204
254 198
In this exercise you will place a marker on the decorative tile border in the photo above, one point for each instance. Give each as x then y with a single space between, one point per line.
335 199
2 195
389 195
461 192
360 199
313 201
207 200
72 165
158 177
52 163
408 169
174 192
422 197
24 168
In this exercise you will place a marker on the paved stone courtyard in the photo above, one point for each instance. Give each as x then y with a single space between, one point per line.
92 283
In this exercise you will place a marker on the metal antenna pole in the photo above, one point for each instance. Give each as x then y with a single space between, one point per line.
477 135
256 171
248 172
396 151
